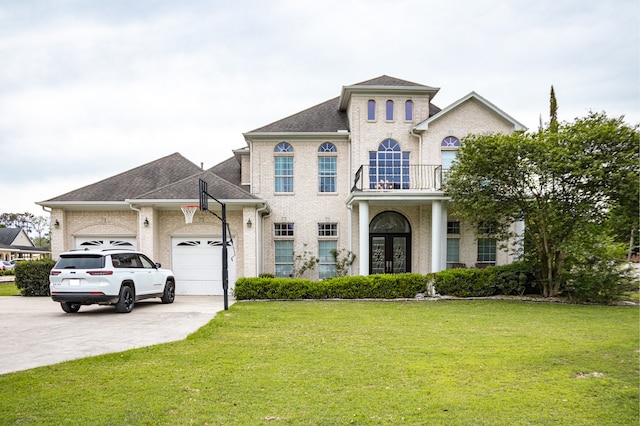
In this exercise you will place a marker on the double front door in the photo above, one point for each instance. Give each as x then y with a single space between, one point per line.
389 254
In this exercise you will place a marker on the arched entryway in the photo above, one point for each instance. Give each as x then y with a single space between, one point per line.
389 244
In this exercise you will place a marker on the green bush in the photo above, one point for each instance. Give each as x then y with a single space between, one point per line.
7 272
351 287
597 270
513 279
465 282
32 277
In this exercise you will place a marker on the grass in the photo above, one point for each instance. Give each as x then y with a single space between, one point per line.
456 363
9 290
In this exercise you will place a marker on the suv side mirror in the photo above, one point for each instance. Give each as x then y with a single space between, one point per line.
158 265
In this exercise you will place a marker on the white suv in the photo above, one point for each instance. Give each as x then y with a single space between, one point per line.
108 277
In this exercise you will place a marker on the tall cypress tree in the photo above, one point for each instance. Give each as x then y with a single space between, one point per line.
553 112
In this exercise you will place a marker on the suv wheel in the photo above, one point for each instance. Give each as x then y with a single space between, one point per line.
70 308
125 301
169 292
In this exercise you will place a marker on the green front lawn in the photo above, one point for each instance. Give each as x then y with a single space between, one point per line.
448 362
9 290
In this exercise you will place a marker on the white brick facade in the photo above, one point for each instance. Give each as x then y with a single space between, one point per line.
154 223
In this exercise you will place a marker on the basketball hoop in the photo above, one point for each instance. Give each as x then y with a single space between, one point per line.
189 211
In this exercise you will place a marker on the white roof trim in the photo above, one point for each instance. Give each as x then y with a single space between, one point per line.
516 124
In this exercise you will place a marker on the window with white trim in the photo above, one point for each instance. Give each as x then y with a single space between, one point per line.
283 172
389 110
371 110
389 166
327 167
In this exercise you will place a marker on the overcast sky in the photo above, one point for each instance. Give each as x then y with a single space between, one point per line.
89 89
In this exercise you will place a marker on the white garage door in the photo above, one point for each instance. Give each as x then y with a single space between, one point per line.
105 242
197 265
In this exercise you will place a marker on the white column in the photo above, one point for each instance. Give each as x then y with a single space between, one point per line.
436 236
363 211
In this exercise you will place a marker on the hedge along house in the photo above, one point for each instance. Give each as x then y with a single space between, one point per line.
359 173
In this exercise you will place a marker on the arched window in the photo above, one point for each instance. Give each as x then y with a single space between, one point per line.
283 167
408 110
388 166
371 110
449 152
389 116
283 147
327 167
450 142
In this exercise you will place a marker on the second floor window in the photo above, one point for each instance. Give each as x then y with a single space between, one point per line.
389 167
327 167
283 167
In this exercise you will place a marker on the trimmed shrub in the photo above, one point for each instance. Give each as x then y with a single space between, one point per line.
465 282
350 287
32 277
514 279
7 272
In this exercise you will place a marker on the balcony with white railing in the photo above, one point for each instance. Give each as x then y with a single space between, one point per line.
416 177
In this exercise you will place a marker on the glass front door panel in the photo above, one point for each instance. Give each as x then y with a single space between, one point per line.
378 255
399 255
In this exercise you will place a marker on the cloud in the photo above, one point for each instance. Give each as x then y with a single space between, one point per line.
91 89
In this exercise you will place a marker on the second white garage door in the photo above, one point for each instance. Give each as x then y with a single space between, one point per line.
197 265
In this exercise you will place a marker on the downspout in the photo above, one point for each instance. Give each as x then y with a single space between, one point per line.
419 145
139 232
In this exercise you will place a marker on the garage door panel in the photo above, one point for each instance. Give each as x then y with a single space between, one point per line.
197 265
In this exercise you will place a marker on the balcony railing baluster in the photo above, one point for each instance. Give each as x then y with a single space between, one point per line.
412 177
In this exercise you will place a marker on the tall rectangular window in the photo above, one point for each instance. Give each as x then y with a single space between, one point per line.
327 172
327 264
284 258
453 252
284 174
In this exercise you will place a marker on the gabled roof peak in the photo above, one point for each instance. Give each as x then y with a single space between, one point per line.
385 85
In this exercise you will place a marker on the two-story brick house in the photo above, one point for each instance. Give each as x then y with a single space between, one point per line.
360 173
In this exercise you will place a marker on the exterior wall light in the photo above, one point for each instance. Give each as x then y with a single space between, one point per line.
146 222
249 223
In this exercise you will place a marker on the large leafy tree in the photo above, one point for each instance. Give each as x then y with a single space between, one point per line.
560 181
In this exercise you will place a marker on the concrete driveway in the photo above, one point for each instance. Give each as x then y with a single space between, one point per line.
35 331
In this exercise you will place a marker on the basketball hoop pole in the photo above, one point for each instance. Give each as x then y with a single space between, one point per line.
204 206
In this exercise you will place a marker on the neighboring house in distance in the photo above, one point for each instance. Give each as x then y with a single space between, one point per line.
359 173
16 244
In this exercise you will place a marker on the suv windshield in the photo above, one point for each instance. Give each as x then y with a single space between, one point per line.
79 261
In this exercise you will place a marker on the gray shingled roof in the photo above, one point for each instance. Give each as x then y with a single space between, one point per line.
385 80
130 184
188 189
327 116
324 117
8 236
228 170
